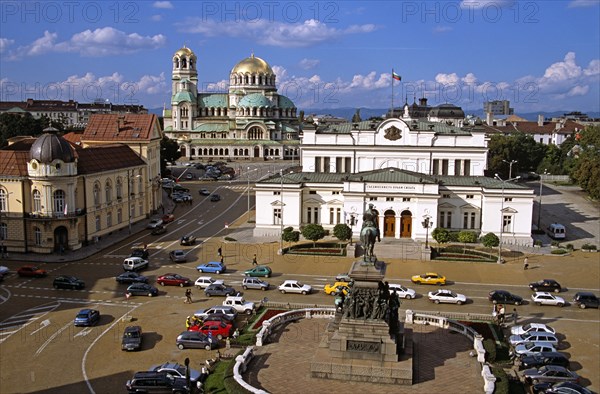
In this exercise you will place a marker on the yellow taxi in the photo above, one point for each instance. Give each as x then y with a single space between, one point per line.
429 278
332 289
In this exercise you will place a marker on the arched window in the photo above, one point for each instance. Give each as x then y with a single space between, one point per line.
140 186
3 200
108 191
119 188
37 201
109 219
119 216
98 223
96 193
3 231
38 236
59 200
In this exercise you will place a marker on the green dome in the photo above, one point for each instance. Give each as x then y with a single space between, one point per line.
255 100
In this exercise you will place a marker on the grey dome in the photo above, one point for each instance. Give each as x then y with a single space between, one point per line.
447 111
50 146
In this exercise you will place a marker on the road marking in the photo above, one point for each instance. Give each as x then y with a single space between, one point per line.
15 323
84 332
57 333
43 324
4 297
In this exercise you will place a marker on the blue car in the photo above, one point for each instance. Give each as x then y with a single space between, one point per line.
87 317
213 267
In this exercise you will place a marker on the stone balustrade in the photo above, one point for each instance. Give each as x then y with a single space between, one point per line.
241 363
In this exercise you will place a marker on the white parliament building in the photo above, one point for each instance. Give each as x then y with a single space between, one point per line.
408 168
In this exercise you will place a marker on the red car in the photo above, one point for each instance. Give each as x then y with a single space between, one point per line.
173 280
31 271
217 329
168 218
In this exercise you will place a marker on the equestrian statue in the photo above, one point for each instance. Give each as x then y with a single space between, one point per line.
369 233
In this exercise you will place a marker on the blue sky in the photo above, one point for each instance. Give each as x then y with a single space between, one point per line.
540 55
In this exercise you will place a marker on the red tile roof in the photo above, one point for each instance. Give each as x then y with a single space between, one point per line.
13 162
107 158
569 127
120 128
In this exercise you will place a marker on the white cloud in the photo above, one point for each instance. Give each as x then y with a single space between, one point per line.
564 70
370 81
162 4
593 69
578 91
152 84
478 4
583 3
447 79
289 35
5 43
307 64
100 42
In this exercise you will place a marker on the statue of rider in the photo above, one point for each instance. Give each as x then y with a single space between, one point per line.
370 220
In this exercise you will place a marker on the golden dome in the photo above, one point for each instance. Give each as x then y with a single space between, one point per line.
185 52
252 65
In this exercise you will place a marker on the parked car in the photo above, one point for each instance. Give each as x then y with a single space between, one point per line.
31 271
132 338
142 289
532 348
189 176
134 264
549 373
259 270
187 240
214 267
215 197
333 289
254 283
154 223
429 278
239 304
173 280
226 312
156 382
3 271
215 329
139 252
547 358
401 291
293 286
204 192
158 230
68 282
131 277
545 298
219 289
546 285
87 317
343 278
560 388
178 256
504 297
585 299
204 281
446 296
194 340
530 327
534 336
168 218
177 370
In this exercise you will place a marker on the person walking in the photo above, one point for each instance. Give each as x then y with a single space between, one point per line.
221 259
188 296
525 263
515 316
501 314
219 252
254 262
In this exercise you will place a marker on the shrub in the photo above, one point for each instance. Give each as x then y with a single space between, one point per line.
538 242
313 232
230 239
502 384
342 231
289 235
589 247
490 240
570 247
441 235
490 350
555 244
559 251
467 237
453 235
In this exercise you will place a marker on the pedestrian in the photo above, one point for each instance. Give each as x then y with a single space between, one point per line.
188 296
254 262
501 314
221 259
219 251
525 263
515 316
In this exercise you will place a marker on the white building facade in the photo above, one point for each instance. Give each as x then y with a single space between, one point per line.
409 169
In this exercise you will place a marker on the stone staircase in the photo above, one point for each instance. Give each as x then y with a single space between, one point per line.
404 249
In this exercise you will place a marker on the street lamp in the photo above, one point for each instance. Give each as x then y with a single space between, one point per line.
248 174
427 224
352 222
539 218
502 214
129 197
281 212
510 164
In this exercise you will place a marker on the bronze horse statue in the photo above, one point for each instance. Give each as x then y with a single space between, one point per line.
368 236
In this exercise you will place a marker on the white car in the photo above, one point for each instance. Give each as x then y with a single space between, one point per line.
529 327
239 304
402 292
446 296
154 223
533 348
545 298
204 281
134 264
293 286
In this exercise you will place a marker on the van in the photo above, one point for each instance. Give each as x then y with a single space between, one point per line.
556 231
134 264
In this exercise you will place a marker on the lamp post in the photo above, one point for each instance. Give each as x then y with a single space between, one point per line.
248 174
281 213
510 164
539 218
129 199
502 214
427 224
352 222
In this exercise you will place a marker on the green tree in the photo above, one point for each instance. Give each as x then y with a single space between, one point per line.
356 117
518 146
441 235
586 166
490 240
12 125
342 231
313 232
169 152
289 235
467 237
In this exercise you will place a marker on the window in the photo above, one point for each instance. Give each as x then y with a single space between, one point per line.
98 223
131 211
372 198
119 216
312 192
507 223
96 194
466 220
59 201
109 219
473 215
470 196
507 199
312 215
119 188
3 201
38 236
335 193
405 199
3 231
108 191
276 193
338 215
277 216
391 199
445 195
37 201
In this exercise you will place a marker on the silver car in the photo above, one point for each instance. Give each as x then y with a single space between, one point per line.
254 283
178 256
549 373
226 312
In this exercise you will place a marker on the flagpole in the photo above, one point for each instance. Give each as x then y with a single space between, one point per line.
392 113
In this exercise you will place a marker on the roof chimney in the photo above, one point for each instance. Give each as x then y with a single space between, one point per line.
489 118
540 120
120 122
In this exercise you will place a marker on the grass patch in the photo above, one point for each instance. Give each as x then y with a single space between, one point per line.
460 253
221 380
320 249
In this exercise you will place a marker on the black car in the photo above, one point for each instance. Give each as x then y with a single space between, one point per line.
544 358
143 253
194 340
187 240
548 285
132 338
131 277
559 388
585 299
143 289
156 382
504 297
215 197
218 289
68 282
158 230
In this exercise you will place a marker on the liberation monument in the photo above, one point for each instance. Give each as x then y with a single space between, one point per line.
366 342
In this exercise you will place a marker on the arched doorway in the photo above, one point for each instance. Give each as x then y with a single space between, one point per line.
61 239
256 151
406 224
389 223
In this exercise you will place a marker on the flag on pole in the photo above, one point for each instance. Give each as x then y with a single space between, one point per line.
65 210
395 76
